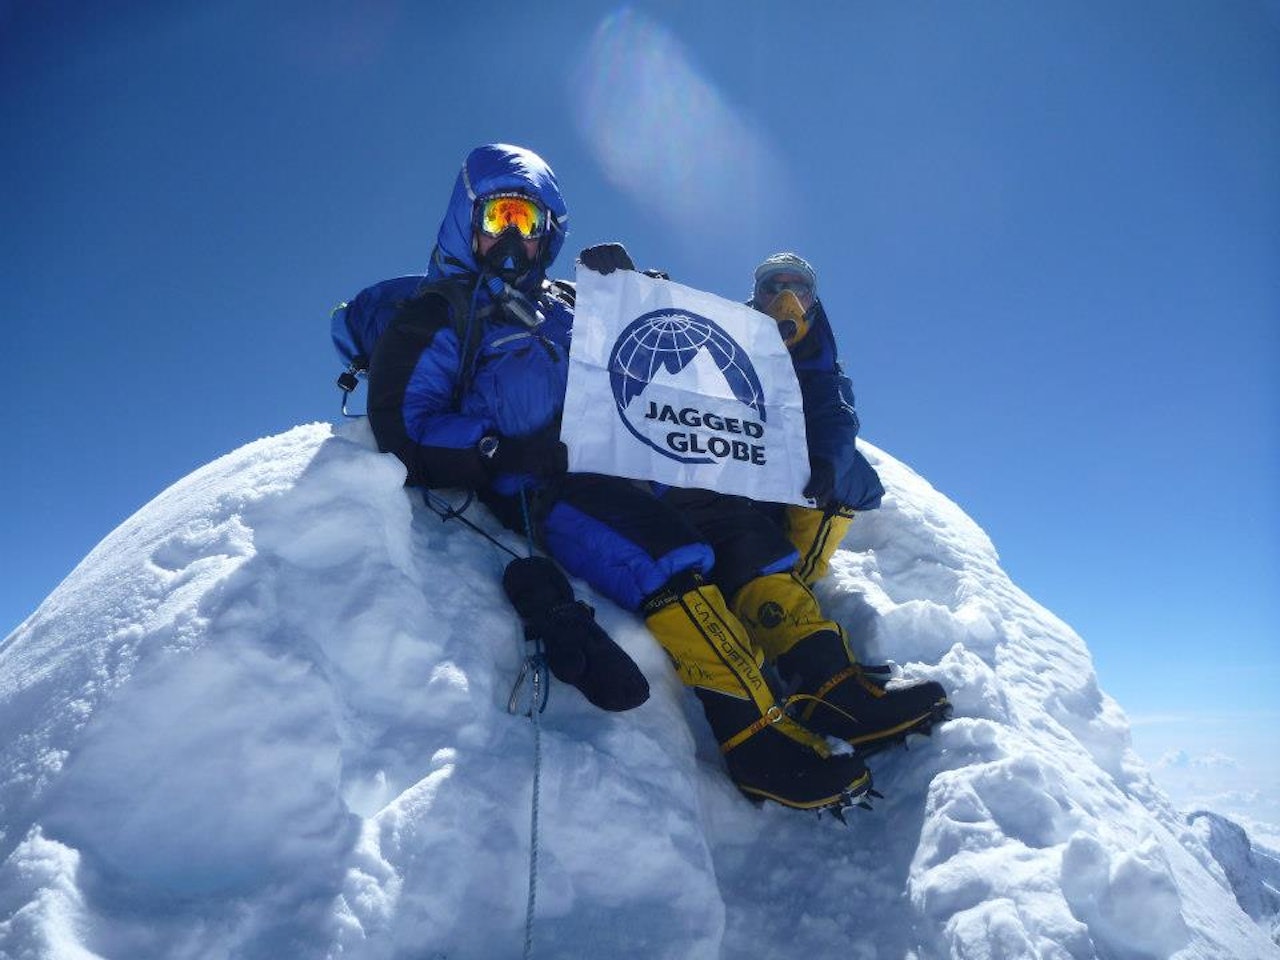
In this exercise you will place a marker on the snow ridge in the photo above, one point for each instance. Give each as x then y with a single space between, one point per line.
267 717
1252 872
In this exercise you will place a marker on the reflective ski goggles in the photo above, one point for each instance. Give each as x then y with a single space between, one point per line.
772 286
497 214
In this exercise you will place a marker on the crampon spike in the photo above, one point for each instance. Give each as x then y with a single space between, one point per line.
847 801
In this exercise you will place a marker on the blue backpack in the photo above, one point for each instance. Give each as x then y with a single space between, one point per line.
357 324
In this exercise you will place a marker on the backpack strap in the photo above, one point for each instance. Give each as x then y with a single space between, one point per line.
469 329
457 296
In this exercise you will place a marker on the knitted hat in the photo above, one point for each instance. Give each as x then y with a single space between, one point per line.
786 263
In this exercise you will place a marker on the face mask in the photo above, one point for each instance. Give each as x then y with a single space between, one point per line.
507 258
790 315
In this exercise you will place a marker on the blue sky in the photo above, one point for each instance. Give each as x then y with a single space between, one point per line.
1048 235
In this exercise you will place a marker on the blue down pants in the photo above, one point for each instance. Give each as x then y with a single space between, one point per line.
628 543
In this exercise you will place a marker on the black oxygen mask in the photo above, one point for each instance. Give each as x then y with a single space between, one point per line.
508 260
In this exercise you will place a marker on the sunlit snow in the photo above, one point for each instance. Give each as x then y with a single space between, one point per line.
267 717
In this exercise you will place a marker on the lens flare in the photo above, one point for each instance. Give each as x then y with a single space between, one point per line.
664 134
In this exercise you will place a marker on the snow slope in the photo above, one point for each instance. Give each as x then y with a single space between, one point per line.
266 717
1254 874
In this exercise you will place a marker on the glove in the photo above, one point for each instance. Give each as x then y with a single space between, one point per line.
579 652
541 454
822 482
606 257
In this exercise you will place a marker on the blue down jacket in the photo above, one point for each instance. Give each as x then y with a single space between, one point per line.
458 362
830 419
431 399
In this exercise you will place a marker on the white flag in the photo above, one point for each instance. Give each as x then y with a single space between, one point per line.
680 386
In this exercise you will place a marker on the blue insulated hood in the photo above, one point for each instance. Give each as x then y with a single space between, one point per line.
495 168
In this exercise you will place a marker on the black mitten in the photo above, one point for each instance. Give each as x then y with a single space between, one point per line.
579 652
606 258
822 481
541 454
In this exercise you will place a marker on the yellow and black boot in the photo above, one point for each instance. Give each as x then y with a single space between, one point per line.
828 690
835 695
768 754
779 611
816 534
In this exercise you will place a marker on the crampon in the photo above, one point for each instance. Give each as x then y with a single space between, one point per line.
848 801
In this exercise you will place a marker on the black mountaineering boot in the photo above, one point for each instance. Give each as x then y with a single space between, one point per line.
766 763
840 698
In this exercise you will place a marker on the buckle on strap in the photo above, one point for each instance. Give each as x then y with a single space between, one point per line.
775 714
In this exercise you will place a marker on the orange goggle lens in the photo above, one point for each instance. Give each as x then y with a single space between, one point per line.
498 214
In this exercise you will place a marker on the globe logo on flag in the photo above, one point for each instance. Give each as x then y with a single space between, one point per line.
660 347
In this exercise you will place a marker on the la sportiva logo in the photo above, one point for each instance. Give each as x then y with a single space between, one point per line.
659 348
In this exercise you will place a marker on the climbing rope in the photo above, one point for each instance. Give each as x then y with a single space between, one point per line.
532 903
536 666
533 673
446 511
